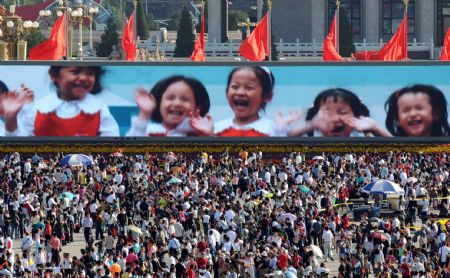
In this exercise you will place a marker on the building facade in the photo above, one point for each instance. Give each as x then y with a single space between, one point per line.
372 20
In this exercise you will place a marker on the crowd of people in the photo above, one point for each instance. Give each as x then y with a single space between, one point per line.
222 215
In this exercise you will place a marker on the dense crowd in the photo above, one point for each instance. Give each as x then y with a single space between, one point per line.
223 215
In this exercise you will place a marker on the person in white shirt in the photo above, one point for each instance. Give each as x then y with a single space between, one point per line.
327 237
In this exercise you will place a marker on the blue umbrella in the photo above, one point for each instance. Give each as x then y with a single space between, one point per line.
76 160
68 194
303 188
383 187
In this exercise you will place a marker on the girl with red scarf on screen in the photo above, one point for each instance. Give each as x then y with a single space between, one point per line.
72 111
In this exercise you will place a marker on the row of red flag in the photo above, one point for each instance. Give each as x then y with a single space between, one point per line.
54 48
254 48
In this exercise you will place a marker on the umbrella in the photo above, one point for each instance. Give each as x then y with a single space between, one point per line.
76 160
380 236
175 169
412 180
135 229
174 181
285 216
383 187
303 189
318 157
315 249
117 154
251 204
260 192
68 194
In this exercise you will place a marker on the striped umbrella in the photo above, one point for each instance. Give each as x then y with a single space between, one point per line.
76 160
383 187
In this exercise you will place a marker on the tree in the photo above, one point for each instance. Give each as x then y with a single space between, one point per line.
174 22
141 22
151 21
346 45
234 18
273 46
109 38
185 35
34 38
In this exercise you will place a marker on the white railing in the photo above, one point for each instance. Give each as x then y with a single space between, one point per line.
285 50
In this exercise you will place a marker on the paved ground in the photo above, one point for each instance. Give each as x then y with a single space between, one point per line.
74 250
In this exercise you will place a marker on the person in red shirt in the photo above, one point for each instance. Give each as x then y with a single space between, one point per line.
282 259
405 269
202 261
191 271
131 258
345 221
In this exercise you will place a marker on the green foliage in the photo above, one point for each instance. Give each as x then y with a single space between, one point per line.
34 38
151 22
109 38
174 22
234 18
185 36
141 22
346 45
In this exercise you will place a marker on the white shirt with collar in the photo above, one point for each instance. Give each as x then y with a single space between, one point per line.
65 110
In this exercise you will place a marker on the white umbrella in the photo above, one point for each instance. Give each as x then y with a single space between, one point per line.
315 249
411 180
318 157
383 187
288 216
174 181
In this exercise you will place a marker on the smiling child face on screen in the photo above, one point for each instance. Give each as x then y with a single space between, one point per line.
246 94
176 104
74 83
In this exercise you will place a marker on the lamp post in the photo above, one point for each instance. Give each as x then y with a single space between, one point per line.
246 24
75 15
13 30
92 13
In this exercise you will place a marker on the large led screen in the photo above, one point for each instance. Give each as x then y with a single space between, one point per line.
281 100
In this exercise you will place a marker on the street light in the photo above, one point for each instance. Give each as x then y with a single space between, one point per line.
92 13
246 24
13 30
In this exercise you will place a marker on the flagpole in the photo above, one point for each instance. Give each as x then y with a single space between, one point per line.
269 26
405 14
135 2
338 6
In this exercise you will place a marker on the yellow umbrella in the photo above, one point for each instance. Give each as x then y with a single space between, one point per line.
175 170
445 222
135 229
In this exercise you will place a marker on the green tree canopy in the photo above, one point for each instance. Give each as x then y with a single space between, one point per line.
234 18
185 35
109 38
174 22
346 45
141 22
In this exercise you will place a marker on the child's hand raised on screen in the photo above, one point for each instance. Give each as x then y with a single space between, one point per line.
146 103
291 117
26 94
366 124
12 102
204 126
361 124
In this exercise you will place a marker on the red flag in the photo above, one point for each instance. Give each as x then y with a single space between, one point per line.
55 46
128 43
366 55
256 46
199 48
397 48
329 45
445 54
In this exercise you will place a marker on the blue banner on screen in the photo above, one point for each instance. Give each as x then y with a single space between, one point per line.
225 101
